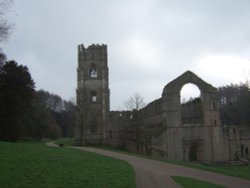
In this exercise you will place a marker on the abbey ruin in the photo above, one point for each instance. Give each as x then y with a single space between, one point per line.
164 128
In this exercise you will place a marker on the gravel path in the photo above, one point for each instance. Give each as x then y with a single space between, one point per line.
52 144
156 174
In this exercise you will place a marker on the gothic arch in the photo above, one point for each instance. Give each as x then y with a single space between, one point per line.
171 99
185 78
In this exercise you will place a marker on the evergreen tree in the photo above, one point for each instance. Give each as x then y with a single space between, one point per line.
16 93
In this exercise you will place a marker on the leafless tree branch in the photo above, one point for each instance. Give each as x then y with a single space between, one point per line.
5 27
135 102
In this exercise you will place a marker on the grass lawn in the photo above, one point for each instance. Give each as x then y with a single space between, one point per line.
31 165
242 171
186 182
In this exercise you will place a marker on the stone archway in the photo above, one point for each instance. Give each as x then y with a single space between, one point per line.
193 151
206 129
171 99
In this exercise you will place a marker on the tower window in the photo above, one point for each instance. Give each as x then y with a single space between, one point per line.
93 96
93 71
214 105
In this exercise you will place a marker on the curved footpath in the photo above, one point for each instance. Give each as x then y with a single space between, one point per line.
152 173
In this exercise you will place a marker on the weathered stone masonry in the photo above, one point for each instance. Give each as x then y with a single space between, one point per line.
164 128
177 140
92 94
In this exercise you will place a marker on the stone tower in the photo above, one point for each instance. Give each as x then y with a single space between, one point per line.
92 94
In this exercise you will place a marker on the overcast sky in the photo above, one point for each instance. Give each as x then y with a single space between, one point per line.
150 42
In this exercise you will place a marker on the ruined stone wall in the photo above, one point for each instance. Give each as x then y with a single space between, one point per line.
191 112
151 114
152 122
163 128
239 141
168 130
118 125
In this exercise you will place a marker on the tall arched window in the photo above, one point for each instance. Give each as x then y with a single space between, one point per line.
93 71
191 105
189 92
93 95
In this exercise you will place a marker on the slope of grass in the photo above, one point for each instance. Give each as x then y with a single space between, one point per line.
186 182
241 171
31 165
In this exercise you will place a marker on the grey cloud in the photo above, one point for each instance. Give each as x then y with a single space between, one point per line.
180 31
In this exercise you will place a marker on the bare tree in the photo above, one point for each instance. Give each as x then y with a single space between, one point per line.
2 59
5 27
246 74
135 102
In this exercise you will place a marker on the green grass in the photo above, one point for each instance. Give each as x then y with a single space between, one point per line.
28 165
186 182
241 171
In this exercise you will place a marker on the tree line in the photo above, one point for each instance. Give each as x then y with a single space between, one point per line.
29 114
235 104
24 112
